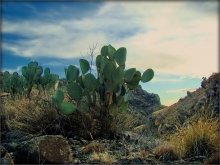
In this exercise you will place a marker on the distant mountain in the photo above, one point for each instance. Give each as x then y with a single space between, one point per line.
205 98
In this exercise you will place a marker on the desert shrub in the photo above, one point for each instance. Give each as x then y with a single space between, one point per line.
200 138
165 153
123 121
33 117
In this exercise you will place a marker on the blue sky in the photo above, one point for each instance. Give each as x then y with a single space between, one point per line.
179 40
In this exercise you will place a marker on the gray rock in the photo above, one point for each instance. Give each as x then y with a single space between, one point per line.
44 149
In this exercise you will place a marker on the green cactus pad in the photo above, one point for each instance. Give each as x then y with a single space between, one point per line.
74 91
90 81
67 108
58 98
104 50
129 74
119 75
147 75
46 71
84 65
39 71
111 52
120 56
6 73
98 61
33 64
104 62
108 70
24 71
72 73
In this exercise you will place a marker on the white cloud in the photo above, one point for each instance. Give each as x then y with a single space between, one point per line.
182 90
54 63
12 70
168 37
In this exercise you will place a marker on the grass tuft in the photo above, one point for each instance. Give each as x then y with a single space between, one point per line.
200 138
165 153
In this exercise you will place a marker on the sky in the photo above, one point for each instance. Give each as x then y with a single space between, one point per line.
178 40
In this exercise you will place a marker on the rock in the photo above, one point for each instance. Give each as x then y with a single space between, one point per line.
44 149
5 157
143 102
214 159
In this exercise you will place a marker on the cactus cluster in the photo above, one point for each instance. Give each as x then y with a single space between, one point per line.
106 90
13 83
16 84
32 74
48 80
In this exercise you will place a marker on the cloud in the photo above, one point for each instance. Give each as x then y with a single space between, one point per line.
12 70
54 63
182 90
168 37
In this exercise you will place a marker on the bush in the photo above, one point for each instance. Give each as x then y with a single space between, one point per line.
200 138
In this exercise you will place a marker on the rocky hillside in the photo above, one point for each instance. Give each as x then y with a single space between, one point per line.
204 98
143 102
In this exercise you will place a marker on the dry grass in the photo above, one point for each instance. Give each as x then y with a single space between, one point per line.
103 157
199 138
93 147
35 116
165 153
123 121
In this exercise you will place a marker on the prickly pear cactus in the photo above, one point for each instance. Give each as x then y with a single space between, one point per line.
109 87
48 80
65 108
13 84
32 74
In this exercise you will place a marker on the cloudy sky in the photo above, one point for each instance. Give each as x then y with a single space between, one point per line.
179 40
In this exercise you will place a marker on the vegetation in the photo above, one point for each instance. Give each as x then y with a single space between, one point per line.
91 109
197 139
105 92
18 85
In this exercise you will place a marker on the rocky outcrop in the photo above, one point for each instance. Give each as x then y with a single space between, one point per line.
47 149
143 102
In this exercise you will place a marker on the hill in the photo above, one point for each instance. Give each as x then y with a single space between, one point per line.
205 98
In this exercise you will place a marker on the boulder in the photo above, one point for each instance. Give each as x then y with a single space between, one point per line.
5 157
50 149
